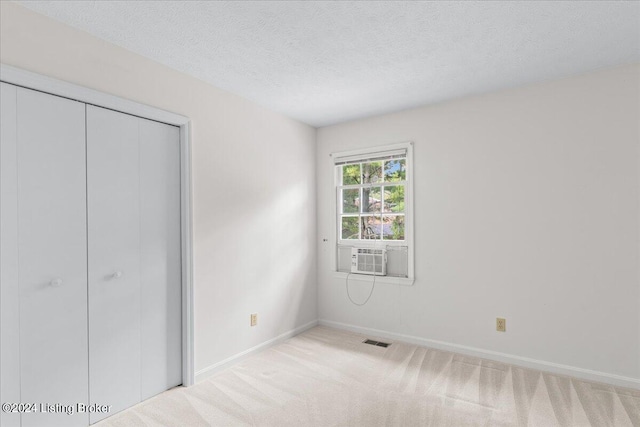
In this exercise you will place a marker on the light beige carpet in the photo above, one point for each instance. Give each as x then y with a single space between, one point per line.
327 377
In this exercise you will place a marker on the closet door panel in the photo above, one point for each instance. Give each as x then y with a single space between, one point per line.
52 255
113 166
9 289
161 310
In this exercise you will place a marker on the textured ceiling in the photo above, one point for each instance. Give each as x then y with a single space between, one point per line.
329 62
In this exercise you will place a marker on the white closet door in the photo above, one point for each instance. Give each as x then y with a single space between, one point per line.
161 311
52 255
113 166
9 289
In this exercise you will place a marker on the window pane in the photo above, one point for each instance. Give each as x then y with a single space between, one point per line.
350 201
371 172
394 198
351 174
370 227
395 170
350 228
393 227
372 200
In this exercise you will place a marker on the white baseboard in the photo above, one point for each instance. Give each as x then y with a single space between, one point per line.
216 367
526 362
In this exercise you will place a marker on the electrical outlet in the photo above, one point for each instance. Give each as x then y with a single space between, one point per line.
501 324
254 319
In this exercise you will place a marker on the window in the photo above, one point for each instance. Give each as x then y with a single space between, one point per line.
373 190
372 199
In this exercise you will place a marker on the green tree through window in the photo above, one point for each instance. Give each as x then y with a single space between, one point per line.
372 195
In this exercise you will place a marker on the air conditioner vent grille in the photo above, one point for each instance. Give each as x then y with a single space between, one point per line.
369 261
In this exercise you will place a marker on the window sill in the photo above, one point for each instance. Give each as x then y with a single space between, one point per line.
402 281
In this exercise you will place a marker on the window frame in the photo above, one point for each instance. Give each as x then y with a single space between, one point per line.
361 213
360 156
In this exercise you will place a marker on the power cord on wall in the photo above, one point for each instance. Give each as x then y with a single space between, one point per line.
373 285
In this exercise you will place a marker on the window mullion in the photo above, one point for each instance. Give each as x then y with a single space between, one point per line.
361 207
362 212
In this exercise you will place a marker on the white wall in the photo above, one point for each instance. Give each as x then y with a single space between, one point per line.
526 207
253 182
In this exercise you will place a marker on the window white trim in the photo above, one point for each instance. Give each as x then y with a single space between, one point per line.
30 80
364 154
342 159
390 280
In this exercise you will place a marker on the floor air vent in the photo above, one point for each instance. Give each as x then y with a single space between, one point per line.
377 343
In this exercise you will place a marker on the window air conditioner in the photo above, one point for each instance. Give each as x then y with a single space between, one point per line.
369 261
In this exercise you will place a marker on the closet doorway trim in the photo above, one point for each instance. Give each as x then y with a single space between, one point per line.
19 77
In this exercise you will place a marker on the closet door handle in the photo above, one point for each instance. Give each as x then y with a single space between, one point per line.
116 275
56 282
